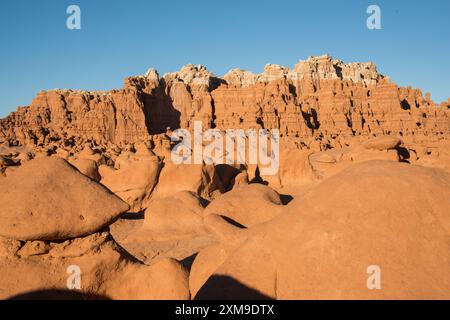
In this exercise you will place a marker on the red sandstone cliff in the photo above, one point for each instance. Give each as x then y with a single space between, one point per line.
319 99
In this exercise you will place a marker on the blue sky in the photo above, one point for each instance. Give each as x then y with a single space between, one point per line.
121 38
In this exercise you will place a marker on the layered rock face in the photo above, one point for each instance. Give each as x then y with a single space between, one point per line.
113 116
321 99
325 98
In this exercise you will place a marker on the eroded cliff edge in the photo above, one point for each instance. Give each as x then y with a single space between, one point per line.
321 102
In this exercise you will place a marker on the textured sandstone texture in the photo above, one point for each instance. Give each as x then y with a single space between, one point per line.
393 215
47 199
54 218
86 179
320 99
175 217
247 205
107 272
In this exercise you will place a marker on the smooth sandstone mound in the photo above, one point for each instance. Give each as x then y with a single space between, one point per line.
228 236
165 279
247 204
392 215
48 199
105 267
205 264
175 217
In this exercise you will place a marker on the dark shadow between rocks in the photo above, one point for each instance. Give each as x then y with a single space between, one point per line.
160 113
227 288
404 154
227 174
233 222
188 261
285 198
258 178
57 294
132 215
204 202
405 105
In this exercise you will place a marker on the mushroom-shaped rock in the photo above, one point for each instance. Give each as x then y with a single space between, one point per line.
48 199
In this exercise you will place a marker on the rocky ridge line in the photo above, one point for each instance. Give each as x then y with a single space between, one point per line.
321 99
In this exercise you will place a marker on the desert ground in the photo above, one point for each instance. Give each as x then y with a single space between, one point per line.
93 207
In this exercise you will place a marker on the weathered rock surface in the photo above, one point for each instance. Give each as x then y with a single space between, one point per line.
382 213
106 272
366 164
247 204
201 179
48 199
134 177
175 217
319 99
87 167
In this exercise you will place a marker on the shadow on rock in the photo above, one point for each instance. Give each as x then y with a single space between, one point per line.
227 288
57 294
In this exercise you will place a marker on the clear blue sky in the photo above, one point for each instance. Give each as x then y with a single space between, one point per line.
121 38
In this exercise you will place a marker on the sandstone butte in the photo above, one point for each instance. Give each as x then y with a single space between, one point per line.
319 99
364 179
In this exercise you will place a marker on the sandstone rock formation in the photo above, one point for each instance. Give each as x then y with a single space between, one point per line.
392 215
201 179
321 98
105 269
87 179
134 176
175 217
53 223
247 205
87 167
47 199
